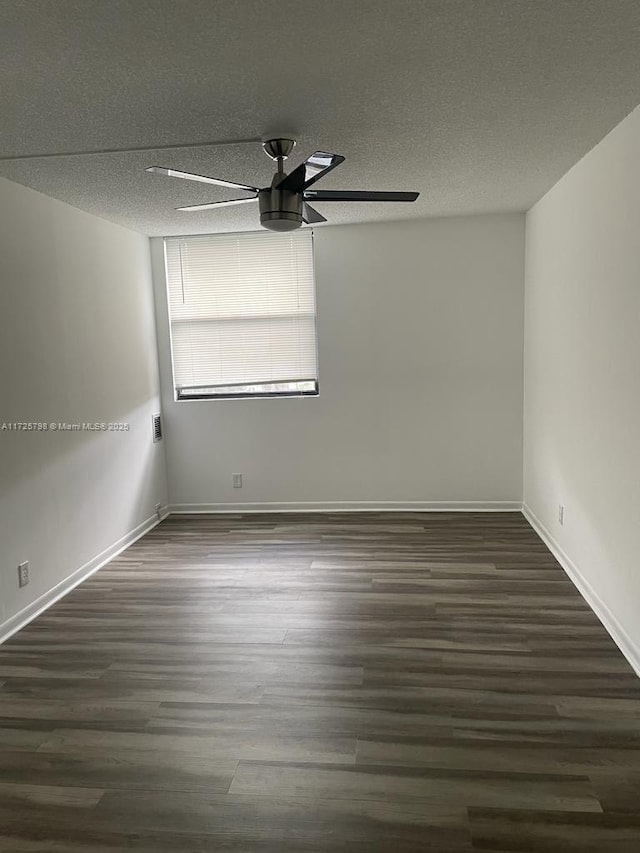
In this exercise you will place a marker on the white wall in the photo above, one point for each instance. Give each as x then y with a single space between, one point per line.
77 343
420 344
582 375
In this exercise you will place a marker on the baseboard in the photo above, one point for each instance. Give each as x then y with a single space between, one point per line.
347 506
27 614
604 614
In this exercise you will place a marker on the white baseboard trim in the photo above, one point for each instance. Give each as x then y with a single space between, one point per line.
347 506
15 623
604 614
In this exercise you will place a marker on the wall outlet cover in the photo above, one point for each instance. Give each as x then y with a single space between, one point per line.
23 574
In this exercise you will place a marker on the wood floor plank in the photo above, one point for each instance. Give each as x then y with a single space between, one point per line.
417 784
227 748
302 824
550 832
12 794
311 683
94 768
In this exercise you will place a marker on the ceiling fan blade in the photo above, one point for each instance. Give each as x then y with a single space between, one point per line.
195 207
203 179
310 215
317 166
358 195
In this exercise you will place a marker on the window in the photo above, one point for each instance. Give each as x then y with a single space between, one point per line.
242 315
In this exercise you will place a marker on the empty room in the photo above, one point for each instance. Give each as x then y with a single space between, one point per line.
319 426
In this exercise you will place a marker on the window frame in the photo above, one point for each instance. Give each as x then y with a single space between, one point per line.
279 395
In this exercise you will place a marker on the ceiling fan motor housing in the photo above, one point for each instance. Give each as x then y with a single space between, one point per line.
280 210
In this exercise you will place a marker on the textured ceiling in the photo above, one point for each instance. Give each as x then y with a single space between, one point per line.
481 105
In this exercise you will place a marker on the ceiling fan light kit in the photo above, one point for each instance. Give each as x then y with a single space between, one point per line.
284 205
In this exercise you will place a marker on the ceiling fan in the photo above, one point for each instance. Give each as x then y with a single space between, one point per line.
284 205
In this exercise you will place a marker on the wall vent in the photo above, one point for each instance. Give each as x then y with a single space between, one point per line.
156 427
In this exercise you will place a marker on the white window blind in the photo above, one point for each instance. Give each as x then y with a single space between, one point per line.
242 314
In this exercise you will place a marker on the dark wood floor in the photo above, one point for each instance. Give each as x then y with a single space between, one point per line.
285 684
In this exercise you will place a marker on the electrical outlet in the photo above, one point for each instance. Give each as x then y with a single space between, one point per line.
23 574
158 508
237 481
561 513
